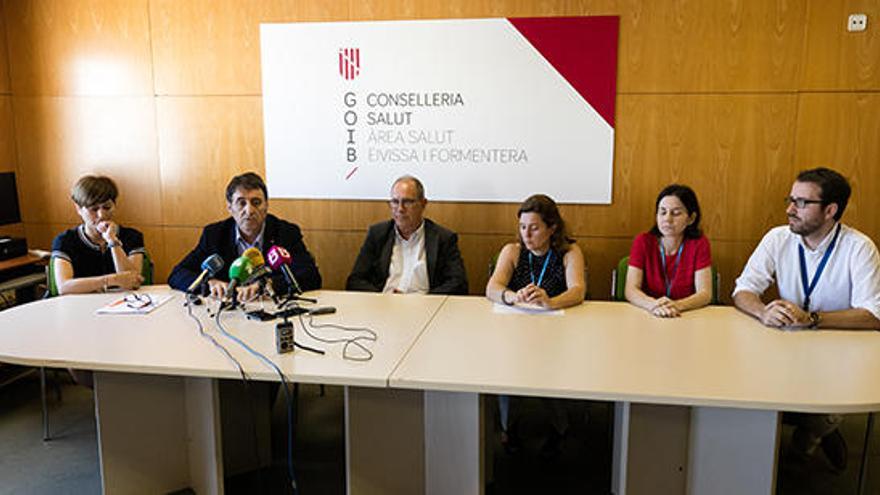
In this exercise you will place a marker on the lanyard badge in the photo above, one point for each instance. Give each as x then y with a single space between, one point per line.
809 287
666 280
543 270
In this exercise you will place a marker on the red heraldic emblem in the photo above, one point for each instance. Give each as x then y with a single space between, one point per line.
349 63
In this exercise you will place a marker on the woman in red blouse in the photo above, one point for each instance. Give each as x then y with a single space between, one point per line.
670 267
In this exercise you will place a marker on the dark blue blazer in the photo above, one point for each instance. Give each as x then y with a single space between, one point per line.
219 238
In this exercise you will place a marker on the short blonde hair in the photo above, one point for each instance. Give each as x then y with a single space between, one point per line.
91 190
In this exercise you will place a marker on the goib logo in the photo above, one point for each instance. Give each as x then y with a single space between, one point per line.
349 63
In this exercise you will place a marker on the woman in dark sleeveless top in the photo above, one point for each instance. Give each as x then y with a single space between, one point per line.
545 268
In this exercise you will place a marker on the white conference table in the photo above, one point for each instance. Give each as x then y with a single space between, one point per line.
156 395
736 373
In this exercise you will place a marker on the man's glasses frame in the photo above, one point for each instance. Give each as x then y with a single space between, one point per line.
801 203
407 202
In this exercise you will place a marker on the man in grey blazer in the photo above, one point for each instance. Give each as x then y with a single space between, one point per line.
409 253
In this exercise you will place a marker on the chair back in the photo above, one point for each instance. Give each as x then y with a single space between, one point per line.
618 280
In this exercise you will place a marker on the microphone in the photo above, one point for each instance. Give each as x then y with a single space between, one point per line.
261 271
210 267
239 271
258 275
279 258
255 256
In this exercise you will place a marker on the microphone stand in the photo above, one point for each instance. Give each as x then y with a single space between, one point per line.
292 296
191 298
194 297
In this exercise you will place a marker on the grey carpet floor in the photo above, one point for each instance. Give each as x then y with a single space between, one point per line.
66 464
69 462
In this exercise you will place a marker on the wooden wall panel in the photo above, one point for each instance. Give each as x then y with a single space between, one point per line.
177 242
203 143
734 150
40 235
86 47
5 86
842 131
212 47
13 230
835 58
7 136
727 45
404 9
729 258
477 252
60 139
335 253
331 215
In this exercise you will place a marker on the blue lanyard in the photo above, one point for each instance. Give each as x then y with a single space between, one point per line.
808 288
532 272
666 280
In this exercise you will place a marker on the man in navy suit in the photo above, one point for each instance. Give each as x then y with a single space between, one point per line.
409 253
250 225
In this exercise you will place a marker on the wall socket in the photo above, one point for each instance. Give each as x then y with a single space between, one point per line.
857 22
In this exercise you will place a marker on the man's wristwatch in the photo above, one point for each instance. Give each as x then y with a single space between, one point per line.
814 320
113 244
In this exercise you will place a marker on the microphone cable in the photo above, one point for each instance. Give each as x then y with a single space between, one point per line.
213 341
356 341
245 379
287 397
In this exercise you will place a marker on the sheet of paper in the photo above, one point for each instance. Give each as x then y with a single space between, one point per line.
134 304
520 308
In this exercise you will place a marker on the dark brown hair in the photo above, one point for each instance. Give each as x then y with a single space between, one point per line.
247 181
688 198
546 208
91 190
835 188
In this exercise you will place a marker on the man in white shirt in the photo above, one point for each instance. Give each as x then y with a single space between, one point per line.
828 276
409 253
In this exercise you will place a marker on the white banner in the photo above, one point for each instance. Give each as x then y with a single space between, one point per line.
471 107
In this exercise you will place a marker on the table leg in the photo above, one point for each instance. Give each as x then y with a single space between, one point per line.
454 446
733 451
414 442
699 450
158 434
650 449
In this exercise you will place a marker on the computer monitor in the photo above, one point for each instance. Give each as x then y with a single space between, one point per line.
9 211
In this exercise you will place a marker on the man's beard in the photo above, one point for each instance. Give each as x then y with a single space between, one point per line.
805 228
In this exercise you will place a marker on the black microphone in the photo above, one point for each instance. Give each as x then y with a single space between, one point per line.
210 267
260 274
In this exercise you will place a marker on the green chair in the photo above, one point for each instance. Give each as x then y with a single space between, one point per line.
618 281
52 291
